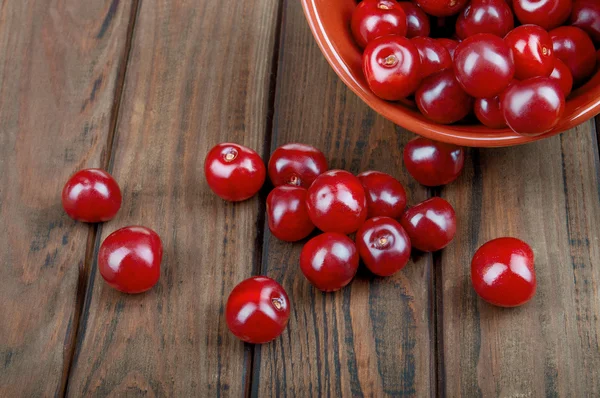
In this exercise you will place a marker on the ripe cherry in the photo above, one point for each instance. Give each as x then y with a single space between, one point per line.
417 22
442 99
329 261
485 16
376 18
489 112
562 75
546 13
385 194
449 44
575 48
383 245
533 106
586 16
287 213
441 8
234 172
483 64
336 202
434 56
391 66
433 163
257 310
431 224
129 259
503 273
296 164
532 51
91 195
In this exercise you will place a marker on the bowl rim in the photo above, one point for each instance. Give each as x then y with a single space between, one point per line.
453 134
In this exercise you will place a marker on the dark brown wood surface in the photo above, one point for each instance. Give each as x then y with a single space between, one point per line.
144 89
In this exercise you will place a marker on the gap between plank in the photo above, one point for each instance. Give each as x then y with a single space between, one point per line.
85 282
436 316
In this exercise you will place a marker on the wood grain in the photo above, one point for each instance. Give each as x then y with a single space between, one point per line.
198 74
547 194
372 338
59 63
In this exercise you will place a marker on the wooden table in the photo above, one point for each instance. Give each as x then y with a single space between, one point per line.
144 89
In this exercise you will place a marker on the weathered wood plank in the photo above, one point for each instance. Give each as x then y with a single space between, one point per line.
59 67
373 337
547 194
198 74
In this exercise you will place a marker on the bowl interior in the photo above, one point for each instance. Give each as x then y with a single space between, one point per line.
329 21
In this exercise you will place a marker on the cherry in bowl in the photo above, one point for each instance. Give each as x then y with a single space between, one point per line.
586 16
287 214
562 75
383 245
575 48
257 310
532 51
296 164
433 54
385 194
417 22
431 224
376 18
545 13
433 163
489 112
485 16
91 195
442 99
441 8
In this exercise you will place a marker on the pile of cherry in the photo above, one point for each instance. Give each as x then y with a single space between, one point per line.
508 74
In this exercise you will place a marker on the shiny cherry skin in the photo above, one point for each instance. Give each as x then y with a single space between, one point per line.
287 214
376 18
129 259
546 13
575 48
532 50
385 194
503 273
391 65
336 202
562 75
329 261
417 22
586 16
431 224
441 8
442 99
485 16
449 44
534 106
434 56
433 163
296 164
483 65
91 195
383 245
489 112
258 310
234 172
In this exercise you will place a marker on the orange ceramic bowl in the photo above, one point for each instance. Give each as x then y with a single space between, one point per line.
329 21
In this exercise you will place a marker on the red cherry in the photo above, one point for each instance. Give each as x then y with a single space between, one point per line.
434 56
586 15
562 75
449 44
91 195
296 164
336 202
489 112
376 18
598 57
287 214
129 259
385 194
391 66
485 16
533 106
442 99
546 13
383 245
483 64
433 163
329 261
234 172
441 8
532 51
257 310
575 48
503 273
417 22
431 224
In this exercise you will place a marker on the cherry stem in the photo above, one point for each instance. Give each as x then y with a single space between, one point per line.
277 303
390 60
229 156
